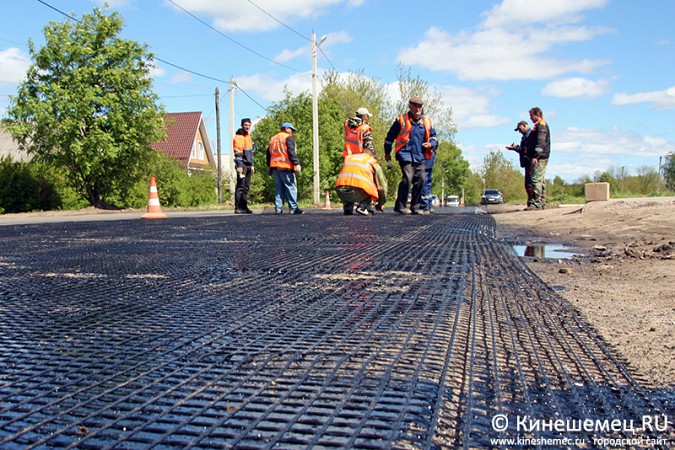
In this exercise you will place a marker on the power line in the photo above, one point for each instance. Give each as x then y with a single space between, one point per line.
274 18
250 98
294 31
232 40
160 59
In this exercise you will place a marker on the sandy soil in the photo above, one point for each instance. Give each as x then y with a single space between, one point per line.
622 277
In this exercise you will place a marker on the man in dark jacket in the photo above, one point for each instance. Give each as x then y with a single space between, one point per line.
243 162
538 151
525 163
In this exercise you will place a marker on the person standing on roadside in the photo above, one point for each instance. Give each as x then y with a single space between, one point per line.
414 140
283 163
361 181
525 163
538 151
243 161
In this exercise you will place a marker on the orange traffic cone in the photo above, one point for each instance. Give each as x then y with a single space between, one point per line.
154 210
326 205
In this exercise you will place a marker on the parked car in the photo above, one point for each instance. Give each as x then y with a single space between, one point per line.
491 197
452 200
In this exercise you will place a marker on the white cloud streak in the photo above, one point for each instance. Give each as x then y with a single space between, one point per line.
576 87
659 99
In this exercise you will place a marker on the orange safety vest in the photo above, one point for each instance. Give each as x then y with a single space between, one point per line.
358 172
279 152
354 138
242 143
404 132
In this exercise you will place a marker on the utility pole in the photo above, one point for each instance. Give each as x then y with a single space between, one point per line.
315 120
658 182
220 164
231 171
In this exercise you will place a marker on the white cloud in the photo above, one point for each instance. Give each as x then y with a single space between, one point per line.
659 99
13 66
470 107
255 16
272 90
576 87
596 142
502 49
521 12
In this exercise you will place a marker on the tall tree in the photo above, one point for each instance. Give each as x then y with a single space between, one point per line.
87 106
498 173
668 171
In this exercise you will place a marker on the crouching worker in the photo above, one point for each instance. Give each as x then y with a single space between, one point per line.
361 182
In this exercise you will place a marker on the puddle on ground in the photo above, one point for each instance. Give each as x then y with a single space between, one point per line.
554 251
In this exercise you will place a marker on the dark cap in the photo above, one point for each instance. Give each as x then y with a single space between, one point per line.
522 122
416 100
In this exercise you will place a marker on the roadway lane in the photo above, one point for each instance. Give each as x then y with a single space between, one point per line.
319 330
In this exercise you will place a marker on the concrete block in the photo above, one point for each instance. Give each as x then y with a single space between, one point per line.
596 192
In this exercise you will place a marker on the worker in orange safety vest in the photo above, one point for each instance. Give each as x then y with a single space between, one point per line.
358 133
283 163
361 181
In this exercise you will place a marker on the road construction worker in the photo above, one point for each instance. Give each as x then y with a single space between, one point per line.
283 163
414 140
243 161
361 181
358 133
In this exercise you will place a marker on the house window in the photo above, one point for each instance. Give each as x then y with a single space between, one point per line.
200 151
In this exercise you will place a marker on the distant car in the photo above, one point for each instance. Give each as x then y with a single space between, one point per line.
452 200
491 197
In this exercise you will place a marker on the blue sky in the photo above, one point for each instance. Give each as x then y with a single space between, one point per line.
603 71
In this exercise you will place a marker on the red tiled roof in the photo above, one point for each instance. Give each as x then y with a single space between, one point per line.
181 131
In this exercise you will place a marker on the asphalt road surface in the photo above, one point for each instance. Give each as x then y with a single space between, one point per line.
312 331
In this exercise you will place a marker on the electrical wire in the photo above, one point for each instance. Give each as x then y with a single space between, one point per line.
232 40
160 59
294 31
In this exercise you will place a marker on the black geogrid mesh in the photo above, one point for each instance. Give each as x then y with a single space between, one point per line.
294 332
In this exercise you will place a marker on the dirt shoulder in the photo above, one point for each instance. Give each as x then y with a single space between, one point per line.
622 280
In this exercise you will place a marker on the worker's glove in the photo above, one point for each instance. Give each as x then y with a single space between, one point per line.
389 165
240 171
298 168
252 170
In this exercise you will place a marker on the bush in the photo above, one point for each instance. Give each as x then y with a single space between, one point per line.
26 187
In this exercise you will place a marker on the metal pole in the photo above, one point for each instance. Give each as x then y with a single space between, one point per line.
220 166
231 170
658 182
315 124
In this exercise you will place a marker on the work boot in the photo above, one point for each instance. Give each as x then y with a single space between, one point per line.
362 210
296 211
404 211
278 211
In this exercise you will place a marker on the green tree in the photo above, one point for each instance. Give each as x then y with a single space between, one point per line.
298 111
498 173
668 171
86 106
450 169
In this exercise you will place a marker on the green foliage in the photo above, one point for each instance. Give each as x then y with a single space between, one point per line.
668 171
451 169
23 188
498 173
87 107
298 111
175 187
